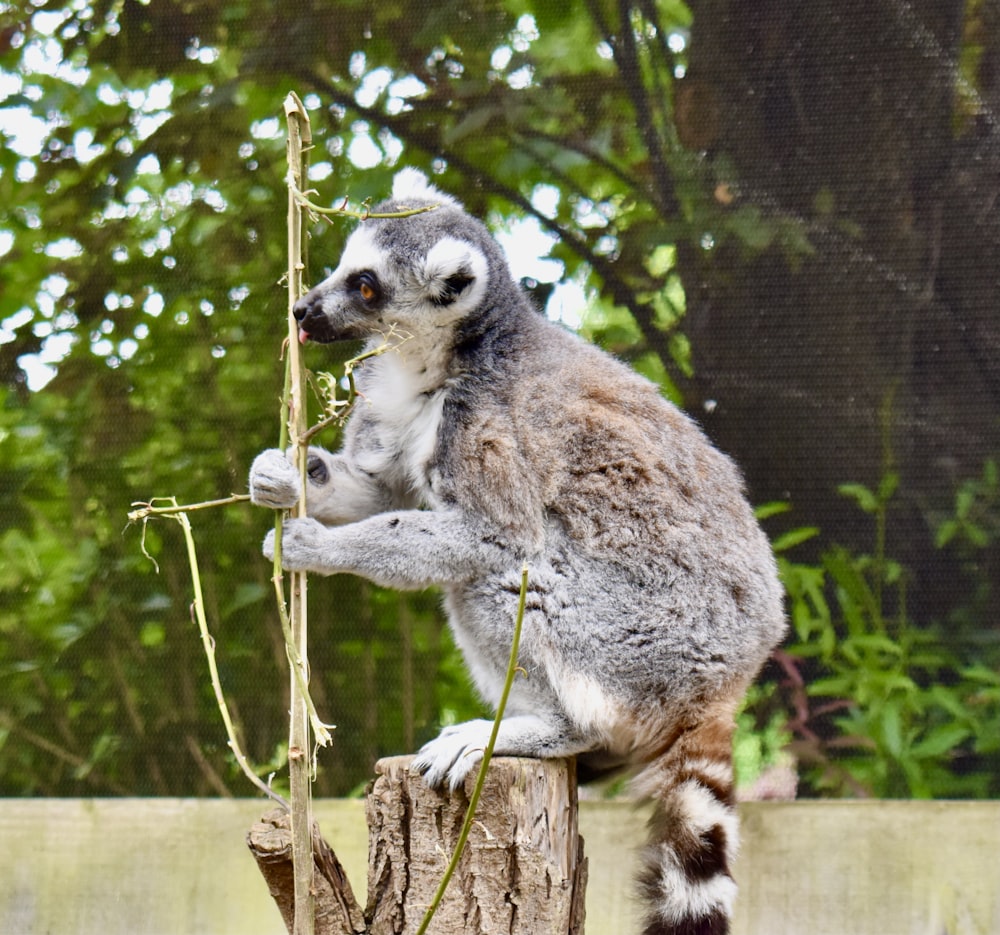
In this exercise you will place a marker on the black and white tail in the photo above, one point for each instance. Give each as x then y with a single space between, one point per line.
686 881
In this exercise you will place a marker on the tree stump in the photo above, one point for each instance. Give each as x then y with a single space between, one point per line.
523 871
336 910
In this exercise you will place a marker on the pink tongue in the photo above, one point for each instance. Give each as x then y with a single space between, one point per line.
303 337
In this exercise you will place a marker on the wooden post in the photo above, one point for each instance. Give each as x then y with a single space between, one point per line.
337 911
299 744
522 873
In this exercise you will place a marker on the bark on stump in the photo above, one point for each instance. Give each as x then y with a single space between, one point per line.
522 872
337 911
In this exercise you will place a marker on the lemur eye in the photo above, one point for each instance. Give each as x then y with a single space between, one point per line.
367 286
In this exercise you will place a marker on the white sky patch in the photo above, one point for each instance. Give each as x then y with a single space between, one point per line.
372 86
84 148
9 84
180 195
158 243
592 213
47 306
407 86
108 95
525 32
148 165
214 199
363 152
41 56
147 125
9 326
526 246
545 200
501 57
46 23
55 285
159 95
40 368
44 55
567 304
204 54
522 78
65 248
391 145
267 129
156 97
24 131
401 91
319 171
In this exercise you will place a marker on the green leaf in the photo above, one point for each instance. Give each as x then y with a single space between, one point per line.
939 741
965 499
861 495
774 508
888 486
892 730
946 532
794 537
835 687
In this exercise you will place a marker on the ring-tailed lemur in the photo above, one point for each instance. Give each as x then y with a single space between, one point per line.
492 436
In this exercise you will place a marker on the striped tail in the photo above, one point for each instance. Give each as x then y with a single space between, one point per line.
694 833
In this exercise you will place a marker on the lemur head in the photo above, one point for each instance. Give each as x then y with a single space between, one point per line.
421 273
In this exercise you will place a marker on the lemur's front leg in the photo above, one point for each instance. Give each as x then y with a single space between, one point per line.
337 492
405 549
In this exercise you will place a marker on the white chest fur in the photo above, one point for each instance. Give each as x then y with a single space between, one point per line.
406 397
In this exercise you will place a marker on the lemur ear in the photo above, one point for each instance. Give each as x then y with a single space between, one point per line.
454 274
411 186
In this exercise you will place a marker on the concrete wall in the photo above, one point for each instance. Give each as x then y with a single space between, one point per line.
181 867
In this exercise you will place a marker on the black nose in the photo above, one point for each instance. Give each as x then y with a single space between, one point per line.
302 308
314 324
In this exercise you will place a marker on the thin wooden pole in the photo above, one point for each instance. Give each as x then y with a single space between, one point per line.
299 746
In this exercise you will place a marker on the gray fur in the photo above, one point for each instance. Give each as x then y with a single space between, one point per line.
491 437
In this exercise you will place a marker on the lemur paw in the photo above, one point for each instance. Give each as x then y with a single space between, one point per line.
274 479
304 546
453 754
274 482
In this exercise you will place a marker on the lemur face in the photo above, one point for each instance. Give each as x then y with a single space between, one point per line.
415 275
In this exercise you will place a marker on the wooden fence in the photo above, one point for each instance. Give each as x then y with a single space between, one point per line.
181 867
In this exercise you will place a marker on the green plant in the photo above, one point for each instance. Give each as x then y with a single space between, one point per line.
761 741
975 524
881 707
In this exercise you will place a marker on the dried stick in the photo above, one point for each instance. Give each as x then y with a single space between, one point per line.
299 758
198 612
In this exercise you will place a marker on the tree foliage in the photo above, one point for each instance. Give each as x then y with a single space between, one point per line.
675 160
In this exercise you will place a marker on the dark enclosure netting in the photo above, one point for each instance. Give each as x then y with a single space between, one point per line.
785 214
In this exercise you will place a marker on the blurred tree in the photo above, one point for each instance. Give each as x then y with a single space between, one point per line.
875 350
807 192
